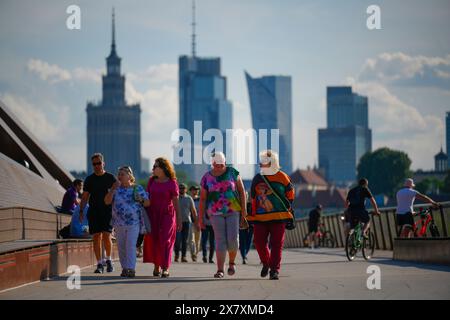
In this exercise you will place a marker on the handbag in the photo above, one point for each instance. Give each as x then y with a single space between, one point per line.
290 225
146 226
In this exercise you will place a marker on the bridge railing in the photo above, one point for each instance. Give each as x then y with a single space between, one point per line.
383 226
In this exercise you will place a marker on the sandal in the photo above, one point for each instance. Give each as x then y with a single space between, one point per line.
232 269
219 274
165 274
156 273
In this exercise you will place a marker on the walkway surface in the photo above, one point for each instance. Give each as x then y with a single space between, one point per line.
305 274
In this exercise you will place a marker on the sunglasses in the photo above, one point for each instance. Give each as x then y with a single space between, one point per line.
155 166
96 164
126 168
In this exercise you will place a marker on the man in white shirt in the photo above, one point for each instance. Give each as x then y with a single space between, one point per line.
405 202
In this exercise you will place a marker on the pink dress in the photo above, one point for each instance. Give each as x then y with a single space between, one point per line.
158 245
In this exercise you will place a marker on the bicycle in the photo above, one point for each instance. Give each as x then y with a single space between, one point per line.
426 220
323 238
355 242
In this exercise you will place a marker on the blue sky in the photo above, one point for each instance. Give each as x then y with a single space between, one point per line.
48 73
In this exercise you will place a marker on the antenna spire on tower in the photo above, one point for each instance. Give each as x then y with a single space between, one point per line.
193 28
113 44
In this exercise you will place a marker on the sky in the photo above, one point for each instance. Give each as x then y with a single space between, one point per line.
48 72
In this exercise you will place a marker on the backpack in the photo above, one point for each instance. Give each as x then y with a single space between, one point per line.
65 232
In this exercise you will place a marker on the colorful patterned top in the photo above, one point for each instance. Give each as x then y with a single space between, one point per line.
223 196
266 207
125 210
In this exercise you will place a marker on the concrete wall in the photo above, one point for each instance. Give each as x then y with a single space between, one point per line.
45 261
423 250
21 223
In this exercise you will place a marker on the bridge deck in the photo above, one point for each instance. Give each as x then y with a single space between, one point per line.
305 274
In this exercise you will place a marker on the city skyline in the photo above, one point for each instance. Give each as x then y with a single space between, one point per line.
49 72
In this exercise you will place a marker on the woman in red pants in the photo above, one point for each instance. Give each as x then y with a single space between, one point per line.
272 194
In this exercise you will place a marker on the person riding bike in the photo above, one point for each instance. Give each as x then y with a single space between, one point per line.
405 201
355 203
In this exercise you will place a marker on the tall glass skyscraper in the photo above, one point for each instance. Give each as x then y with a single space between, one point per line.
113 127
347 136
271 108
203 98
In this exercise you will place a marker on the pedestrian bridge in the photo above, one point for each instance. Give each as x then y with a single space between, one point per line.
305 274
32 267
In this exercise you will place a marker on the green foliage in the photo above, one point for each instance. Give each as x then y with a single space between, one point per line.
385 169
430 185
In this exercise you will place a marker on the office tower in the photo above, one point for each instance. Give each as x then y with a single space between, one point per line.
347 136
271 108
113 126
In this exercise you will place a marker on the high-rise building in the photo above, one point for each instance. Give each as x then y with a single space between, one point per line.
447 133
113 126
271 108
347 136
203 98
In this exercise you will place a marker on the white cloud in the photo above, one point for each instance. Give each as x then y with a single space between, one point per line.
159 118
54 73
50 72
36 120
399 125
401 69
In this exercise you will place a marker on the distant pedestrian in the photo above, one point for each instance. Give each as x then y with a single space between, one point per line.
246 235
207 234
71 197
188 218
313 224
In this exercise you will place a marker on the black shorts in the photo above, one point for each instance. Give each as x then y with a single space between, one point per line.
357 216
313 227
99 220
406 218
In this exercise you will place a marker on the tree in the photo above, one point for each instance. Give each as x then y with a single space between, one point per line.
429 186
385 169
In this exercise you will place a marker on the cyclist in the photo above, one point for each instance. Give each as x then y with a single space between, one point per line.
355 203
313 224
405 201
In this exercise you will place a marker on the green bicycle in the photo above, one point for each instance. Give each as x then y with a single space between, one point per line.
355 242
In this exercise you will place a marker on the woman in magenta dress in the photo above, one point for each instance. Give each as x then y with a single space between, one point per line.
165 217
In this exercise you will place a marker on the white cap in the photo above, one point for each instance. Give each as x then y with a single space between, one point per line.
409 183
218 158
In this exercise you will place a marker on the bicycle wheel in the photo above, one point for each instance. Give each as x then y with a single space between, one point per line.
434 230
329 240
368 246
350 250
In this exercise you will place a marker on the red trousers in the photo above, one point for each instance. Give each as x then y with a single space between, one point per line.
276 230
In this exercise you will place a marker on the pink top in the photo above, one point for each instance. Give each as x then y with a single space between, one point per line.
160 194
